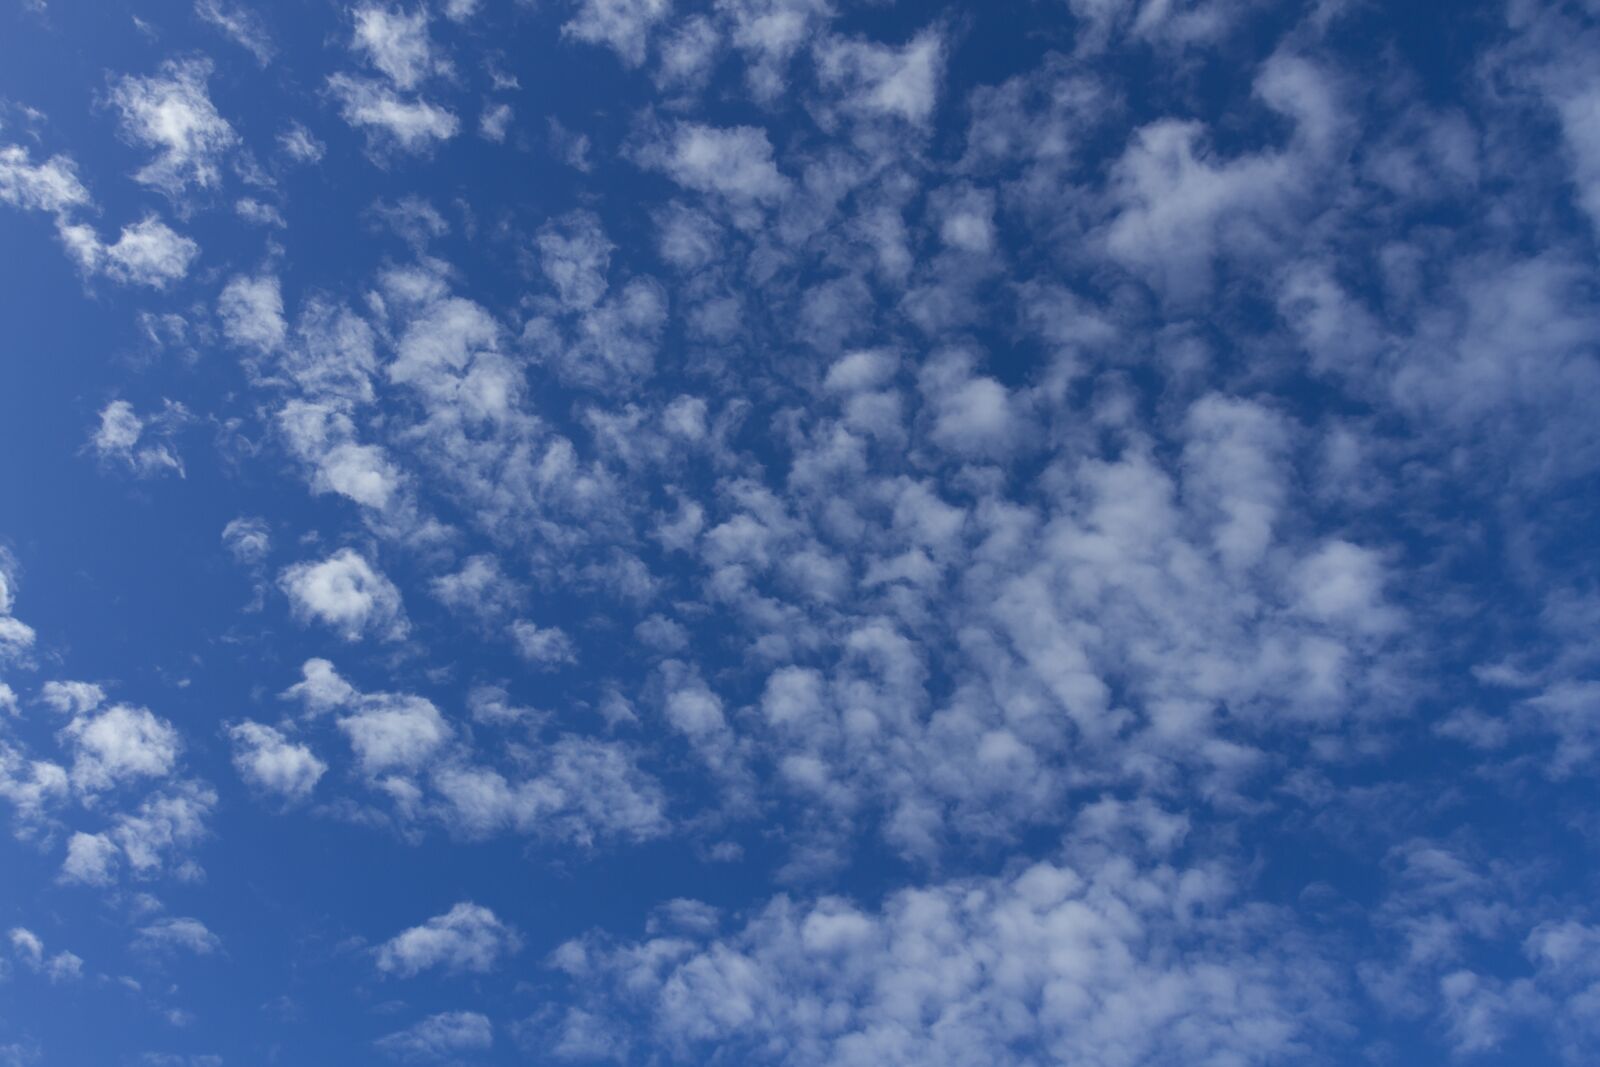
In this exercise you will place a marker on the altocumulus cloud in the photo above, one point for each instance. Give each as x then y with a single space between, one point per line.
783 532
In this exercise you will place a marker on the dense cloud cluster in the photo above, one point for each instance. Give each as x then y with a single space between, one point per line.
1017 537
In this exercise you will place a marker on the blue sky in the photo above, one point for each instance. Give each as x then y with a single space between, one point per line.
799 533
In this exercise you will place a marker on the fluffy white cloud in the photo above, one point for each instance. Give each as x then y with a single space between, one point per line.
61 967
240 25
7 583
72 698
972 414
248 540
394 733
271 762
321 687
300 145
91 860
122 437
51 186
769 33
251 310
494 122
31 786
411 125
150 840
479 588
596 334
622 25
120 744
876 80
1116 965
156 834
16 637
576 789
468 937
26 944
1343 582
440 1037
177 934
172 113
1180 206
347 593
546 647
360 472
397 44
147 252
734 162
492 705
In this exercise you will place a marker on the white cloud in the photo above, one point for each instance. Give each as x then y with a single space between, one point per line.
877 80
1342 582
546 647
397 44
594 333
147 252
411 125
173 114
334 356
240 25
91 860
121 437
248 540
491 705
119 744
1180 206
441 1036
479 588
494 122
972 414
32 786
576 789
466 938
16 636
688 54
156 834
251 310
347 593
769 33
393 732
72 698
26 944
362 473
260 214
51 186
272 763
171 935
300 145
321 688
62 967
622 25
734 162
1114 965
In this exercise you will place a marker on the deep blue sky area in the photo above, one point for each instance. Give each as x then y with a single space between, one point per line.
799 533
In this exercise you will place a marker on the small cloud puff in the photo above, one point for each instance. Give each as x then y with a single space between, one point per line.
347 593
466 938
272 763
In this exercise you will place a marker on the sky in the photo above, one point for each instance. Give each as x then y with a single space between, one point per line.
799 533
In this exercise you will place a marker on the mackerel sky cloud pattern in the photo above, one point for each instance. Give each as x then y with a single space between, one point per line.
799 533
